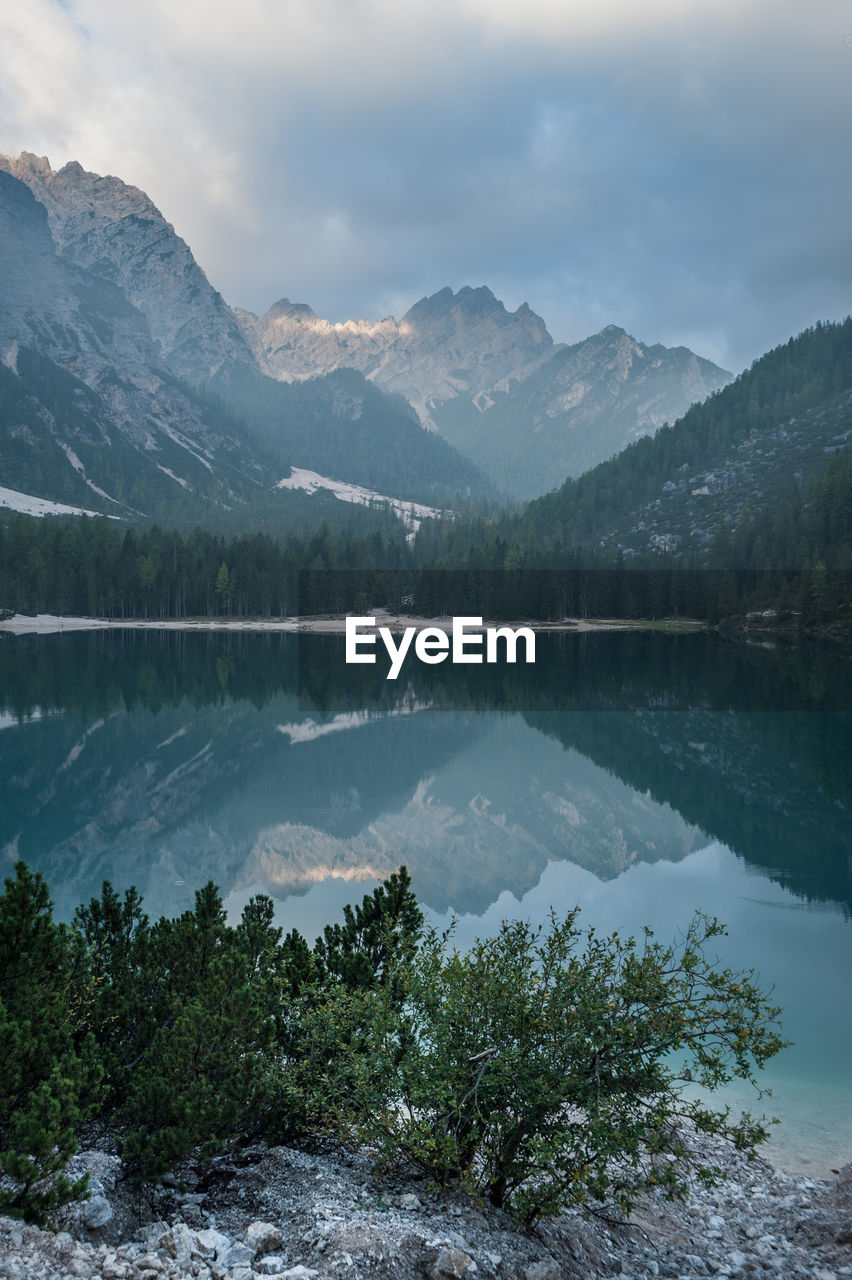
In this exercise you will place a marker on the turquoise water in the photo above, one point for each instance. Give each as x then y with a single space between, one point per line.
641 777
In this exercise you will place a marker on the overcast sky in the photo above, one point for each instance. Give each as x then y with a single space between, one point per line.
678 167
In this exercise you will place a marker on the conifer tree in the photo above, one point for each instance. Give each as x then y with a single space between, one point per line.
46 1080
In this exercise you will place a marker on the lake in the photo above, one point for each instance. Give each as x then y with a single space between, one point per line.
639 775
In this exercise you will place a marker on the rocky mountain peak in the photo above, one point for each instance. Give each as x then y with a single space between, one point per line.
115 230
471 306
27 161
445 346
297 310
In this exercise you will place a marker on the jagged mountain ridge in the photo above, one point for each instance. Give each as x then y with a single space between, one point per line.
583 404
464 344
114 231
108 328
527 411
88 413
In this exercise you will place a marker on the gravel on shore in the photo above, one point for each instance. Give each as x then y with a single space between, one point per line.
320 1215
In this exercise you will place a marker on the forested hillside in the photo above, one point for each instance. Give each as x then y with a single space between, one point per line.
344 427
757 477
728 462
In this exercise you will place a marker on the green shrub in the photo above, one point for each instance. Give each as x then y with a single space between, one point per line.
49 1074
323 1046
375 936
540 1069
213 994
114 936
543 1069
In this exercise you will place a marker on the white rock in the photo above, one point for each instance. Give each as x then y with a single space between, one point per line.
544 1269
263 1237
216 1242
180 1243
451 1264
96 1211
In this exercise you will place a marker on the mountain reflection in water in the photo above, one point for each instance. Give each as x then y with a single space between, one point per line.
641 775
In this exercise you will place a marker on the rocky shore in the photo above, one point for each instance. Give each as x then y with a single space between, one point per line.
282 1212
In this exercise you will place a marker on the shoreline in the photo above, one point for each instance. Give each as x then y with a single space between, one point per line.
49 624
327 1212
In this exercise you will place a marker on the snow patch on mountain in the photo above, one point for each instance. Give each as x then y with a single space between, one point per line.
31 506
412 514
182 443
81 470
172 476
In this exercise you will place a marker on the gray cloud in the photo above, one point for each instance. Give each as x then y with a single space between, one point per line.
684 174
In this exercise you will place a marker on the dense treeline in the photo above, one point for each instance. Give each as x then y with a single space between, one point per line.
92 567
95 568
93 673
180 1039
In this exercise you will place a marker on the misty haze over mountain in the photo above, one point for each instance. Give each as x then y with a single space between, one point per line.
526 412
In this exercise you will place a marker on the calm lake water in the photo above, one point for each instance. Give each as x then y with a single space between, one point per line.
640 775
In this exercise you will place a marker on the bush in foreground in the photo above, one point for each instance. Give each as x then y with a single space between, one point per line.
541 1069
545 1068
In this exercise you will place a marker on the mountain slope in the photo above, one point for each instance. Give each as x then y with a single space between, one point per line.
114 231
492 382
87 413
580 406
343 426
735 459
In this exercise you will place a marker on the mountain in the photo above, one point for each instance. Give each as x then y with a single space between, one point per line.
744 462
88 413
115 232
578 407
524 411
493 383
128 387
450 345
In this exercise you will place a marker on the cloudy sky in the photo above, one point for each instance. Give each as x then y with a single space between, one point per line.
679 167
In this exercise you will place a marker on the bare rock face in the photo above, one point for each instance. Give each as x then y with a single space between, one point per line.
581 406
50 306
115 231
84 373
448 345
528 412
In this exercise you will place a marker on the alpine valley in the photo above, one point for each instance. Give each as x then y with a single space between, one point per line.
130 387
